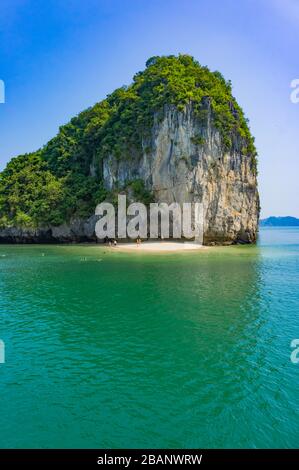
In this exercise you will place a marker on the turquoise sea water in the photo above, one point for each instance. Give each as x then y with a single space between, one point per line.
108 349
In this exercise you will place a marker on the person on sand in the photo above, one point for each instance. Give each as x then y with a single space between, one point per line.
114 242
138 240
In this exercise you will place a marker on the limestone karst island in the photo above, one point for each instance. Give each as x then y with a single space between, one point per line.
176 134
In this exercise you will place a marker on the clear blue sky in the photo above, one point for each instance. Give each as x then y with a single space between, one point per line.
59 57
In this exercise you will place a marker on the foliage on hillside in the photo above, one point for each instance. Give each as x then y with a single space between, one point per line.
55 183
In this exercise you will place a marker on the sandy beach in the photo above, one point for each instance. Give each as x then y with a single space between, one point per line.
159 246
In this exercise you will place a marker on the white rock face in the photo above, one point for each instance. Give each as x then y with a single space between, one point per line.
183 161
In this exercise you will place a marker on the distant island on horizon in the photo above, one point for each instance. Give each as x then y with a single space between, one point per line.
279 222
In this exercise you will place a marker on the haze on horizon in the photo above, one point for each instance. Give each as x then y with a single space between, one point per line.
60 58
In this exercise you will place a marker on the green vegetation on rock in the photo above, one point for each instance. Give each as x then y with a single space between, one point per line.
55 183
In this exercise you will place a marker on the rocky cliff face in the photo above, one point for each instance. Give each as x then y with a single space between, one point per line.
183 161
177 134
